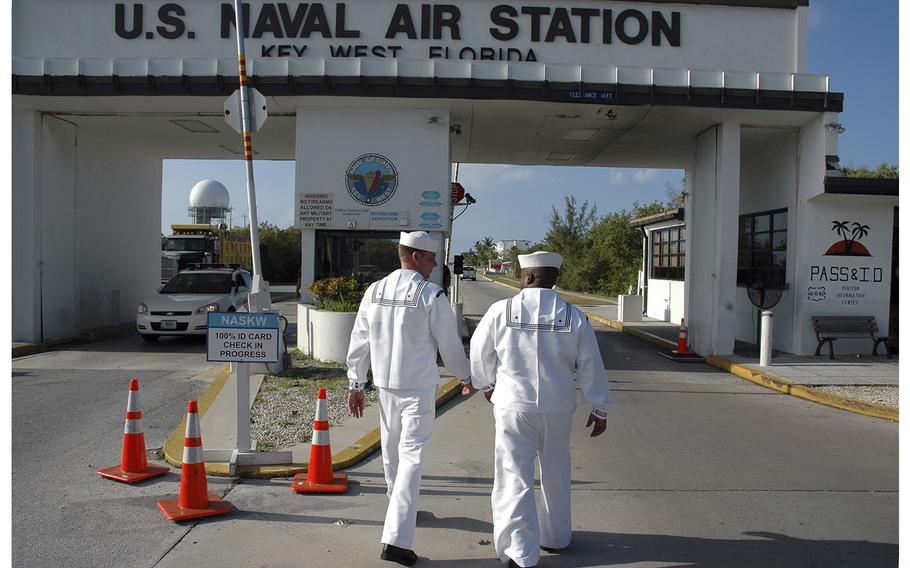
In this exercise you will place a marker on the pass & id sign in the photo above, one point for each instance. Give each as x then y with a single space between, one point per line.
242 338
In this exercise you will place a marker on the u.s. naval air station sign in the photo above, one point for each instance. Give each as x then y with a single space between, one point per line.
287 28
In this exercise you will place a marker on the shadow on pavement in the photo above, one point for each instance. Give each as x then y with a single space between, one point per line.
763 550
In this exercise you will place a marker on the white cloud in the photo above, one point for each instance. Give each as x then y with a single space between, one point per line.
617 177
490 177
642 176
514 175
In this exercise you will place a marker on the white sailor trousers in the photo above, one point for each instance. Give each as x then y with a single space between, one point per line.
406 419
519 526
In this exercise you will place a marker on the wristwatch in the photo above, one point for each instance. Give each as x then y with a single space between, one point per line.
355 386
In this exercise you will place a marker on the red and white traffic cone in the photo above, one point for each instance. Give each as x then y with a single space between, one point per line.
319 477
682 342
194 499
133 462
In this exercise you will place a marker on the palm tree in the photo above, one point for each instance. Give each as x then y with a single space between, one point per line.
486 251
841 228
859 231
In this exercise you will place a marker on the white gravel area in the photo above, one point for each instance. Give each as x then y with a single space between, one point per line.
887 395
282 414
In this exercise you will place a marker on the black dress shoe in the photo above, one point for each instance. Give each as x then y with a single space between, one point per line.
512 564
397 554
552 550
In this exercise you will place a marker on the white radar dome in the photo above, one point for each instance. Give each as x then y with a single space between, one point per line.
210 193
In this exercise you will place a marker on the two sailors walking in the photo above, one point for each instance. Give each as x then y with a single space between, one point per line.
527 355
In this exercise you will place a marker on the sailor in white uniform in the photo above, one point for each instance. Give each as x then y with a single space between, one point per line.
534 348
402 321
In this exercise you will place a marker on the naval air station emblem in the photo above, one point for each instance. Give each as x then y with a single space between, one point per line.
371 179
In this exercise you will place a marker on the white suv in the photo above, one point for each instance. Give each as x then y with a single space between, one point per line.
182 305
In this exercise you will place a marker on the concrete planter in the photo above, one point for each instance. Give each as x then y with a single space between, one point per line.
323 335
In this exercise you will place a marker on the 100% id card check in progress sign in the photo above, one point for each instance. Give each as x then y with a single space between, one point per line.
236 337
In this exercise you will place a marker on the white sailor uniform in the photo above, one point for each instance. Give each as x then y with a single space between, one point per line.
402 321
534 348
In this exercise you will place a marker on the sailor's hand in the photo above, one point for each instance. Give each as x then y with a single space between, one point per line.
467 389
355 403
488 395
600 424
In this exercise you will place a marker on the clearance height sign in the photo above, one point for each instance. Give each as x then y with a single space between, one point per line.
242 338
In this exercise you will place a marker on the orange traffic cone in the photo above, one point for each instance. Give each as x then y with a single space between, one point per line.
319 477
133 463
194 500
683 347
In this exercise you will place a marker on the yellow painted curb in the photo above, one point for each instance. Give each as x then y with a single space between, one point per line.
762 378
28 349
632 331
493 280
173 447
766 379
846 403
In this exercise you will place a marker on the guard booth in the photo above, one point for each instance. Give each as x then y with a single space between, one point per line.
374 100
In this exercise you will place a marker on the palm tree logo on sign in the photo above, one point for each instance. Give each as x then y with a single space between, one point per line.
848 246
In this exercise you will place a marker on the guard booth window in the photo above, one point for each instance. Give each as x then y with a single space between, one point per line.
762 247
668 253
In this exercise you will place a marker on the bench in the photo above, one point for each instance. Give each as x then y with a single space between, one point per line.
830 328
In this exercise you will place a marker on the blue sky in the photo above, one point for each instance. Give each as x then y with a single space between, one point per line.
855 42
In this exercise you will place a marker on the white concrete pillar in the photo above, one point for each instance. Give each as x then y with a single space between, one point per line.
307 264
25 276
712 217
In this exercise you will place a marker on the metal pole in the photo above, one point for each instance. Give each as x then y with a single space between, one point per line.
767 328
243 407
248 149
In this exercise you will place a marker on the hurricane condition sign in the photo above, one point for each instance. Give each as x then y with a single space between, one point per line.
242 338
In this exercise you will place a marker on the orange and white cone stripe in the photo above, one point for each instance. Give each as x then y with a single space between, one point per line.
194 499
133 461
683 341
319 477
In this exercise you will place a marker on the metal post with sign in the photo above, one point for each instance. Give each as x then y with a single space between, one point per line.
243 338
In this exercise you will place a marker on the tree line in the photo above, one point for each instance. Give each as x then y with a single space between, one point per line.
602 254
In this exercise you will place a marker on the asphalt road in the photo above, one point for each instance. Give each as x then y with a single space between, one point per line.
697 468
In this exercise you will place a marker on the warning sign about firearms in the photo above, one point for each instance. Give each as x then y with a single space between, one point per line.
315 210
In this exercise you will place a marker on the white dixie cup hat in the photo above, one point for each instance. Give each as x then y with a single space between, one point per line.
540 259
420 240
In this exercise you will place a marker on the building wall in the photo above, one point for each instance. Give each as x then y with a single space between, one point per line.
666 300
26 320
118 229
56 253
326 150
700 232
767 182
711 228
834 284
87 217
705 34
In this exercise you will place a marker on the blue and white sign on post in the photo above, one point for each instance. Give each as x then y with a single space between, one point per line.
237 337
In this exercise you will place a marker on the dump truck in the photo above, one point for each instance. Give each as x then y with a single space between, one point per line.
202 244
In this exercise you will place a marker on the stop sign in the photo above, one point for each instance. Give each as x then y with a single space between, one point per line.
457 192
